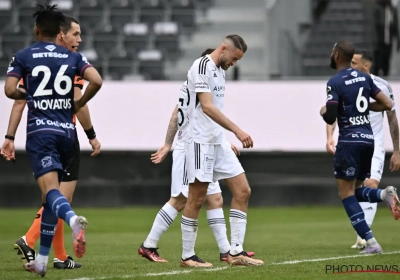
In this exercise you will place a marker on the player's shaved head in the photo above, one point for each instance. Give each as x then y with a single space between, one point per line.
207 51
229 52
342 54
346 50
48 21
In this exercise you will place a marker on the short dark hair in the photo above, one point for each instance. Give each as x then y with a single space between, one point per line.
346 49
66 25
48 20
207 51
365 54
238 42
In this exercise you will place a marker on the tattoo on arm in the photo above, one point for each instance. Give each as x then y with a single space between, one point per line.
172 129
394 129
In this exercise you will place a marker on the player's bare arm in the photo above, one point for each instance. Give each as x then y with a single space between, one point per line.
216 115
394 133
11 90
330 143
8 148
382 103
95 82
84 119
161 154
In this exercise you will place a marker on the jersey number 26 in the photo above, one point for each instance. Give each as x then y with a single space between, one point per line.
60 77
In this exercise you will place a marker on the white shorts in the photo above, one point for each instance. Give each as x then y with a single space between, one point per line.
211 163
378 161
179 183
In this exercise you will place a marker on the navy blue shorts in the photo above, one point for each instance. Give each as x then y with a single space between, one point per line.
49 152
353 162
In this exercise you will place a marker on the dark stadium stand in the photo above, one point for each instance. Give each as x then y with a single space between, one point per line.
338 19
122 37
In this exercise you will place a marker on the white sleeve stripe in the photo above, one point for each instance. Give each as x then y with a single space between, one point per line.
203 65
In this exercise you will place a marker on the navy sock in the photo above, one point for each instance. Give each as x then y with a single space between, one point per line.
366 194
47 230
59 205
356 215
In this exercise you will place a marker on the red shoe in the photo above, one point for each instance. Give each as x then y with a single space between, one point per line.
224 257
151 254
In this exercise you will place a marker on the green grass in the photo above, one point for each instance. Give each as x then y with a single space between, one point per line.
275 234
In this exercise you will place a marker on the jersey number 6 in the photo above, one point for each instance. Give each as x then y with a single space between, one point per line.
60 77
361 102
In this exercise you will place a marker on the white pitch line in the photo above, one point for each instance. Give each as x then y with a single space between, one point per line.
330 259
176 272
186 271
173 272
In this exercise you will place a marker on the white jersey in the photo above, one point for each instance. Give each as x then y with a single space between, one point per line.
377 117
204 76
183 118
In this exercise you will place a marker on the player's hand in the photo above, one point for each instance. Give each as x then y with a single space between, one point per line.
323 110
245 139
78 104
8 150
160 155
235 150
395 161
330 146
96 146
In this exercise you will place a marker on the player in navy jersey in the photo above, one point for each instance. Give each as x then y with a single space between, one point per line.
48 71
348 94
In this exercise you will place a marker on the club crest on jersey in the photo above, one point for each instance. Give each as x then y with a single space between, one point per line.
354 74
50 47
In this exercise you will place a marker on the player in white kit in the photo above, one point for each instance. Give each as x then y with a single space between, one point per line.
362 60
209 156
179 186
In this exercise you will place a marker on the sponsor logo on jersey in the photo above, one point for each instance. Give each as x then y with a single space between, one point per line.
49 54
355 80
67 125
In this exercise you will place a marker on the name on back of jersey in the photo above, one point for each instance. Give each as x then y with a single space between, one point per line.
359 120
52 104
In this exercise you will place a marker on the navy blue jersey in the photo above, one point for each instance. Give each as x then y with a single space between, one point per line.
351 90
48 72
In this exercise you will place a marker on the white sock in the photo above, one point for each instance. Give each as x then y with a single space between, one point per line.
216 221
72 221
238 221
369 213
372 241
42 259
189 234
163 220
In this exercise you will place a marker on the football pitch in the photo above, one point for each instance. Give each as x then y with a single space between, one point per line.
295 243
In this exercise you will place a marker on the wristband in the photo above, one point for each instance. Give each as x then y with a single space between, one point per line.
90 133
10 137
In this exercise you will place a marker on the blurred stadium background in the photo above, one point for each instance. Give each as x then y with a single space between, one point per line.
144 42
